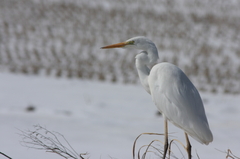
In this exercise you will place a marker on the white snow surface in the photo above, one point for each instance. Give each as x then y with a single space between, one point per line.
102 119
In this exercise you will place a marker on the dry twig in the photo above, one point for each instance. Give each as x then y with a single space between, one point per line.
231 155
134 144
5 155
150 148
50 141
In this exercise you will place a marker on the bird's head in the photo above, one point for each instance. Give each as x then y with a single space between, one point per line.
139 42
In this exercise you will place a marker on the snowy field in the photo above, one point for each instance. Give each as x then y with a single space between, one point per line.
63 37
53 47
100 118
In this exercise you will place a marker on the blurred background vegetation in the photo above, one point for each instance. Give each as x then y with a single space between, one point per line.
63 38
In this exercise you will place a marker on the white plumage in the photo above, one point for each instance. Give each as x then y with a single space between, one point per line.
172 92
176 97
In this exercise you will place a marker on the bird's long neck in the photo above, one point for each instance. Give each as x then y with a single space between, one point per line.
144 62
152 54
143 73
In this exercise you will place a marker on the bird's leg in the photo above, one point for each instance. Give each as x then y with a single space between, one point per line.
166 138
188 146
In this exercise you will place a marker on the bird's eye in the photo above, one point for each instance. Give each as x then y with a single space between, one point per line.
131 42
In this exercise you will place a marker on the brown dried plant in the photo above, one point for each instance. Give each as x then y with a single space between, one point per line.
50 141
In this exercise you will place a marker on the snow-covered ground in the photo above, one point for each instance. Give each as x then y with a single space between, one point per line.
101 118
63 37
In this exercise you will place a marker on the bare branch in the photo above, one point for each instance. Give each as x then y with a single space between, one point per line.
5 155
50 141
134 144
231 155
155 147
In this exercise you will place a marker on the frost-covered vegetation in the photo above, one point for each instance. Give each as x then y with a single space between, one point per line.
63 38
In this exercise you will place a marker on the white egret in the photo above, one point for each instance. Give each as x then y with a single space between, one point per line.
172 92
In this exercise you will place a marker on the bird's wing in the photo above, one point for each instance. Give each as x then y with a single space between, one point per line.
178 99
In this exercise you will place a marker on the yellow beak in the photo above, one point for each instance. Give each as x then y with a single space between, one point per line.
118 45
